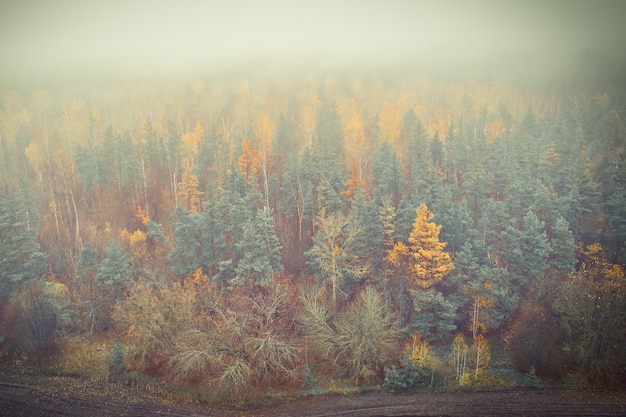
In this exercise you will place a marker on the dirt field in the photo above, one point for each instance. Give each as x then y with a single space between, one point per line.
38 395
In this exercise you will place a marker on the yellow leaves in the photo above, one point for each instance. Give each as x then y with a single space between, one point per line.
125 235
197 279
616 274
389 122
429 263
476 312
603 100
12 117
458 358
398 254
357 146
136 242
188 191
495 129
75 122
419 351
58 293
250 160
441 120
142 215
594 253
35 156
549 157
479 355
423 261
458 344
190 145
264 130
137 238
308 116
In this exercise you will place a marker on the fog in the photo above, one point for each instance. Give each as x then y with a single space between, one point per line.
486 37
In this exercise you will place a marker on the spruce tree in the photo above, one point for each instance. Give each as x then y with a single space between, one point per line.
186 255
563 247
115 269
20 255
261 252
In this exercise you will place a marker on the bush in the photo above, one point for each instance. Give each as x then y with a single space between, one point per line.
36 313
116 360
359 340
530 379
536 340
402 379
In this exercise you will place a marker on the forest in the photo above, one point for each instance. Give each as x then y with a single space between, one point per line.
238 234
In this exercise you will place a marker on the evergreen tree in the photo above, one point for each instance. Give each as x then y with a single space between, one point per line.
369 244
327 197
87 262
534 246
616 230
433 315
387 214
428 263
187 253
386 173
214 246
423 264
563 247
327 148
437 151
115 269
405 217
20 256
261 252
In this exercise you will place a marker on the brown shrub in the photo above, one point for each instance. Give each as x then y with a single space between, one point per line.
536 339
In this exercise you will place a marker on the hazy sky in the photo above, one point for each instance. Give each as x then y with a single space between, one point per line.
94 35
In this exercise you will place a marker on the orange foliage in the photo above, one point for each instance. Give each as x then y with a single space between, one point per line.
142 215
250 159
429 262
189 192
355 182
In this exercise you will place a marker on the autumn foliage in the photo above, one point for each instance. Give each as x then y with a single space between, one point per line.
244 233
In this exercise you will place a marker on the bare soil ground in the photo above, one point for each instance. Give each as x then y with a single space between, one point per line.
43 395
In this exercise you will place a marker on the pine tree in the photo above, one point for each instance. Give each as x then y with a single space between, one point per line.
386 173
369 244
433 315
563 247
261 252
186 255
20 255
115 269
526 250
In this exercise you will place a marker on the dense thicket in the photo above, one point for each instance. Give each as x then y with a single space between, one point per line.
265 222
